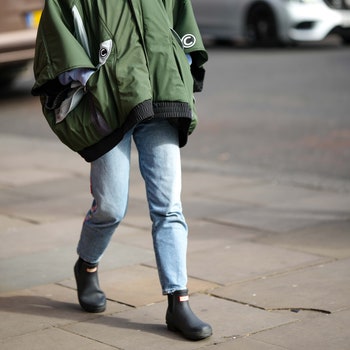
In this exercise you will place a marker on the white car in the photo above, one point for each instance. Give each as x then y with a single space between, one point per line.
273 21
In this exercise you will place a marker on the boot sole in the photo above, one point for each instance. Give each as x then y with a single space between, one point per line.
191 336
93 309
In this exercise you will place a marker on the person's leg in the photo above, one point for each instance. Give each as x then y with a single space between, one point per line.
109 187
160 165
159 160
109 178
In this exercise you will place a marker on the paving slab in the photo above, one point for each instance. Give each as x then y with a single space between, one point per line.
25 271
244 344
326 203
20 236
138 214
42 307
65 187
9 227
44 154
273 219
205 234
281 208
146 325
204 184
56 264
245 260
137 285
10 196
323 287
53 339
137 188
49 210
24 176
49 264
122 254
323 333
266 194
316 239
209 209
133 235
135 218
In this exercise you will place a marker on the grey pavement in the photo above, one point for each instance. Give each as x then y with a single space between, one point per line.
268 260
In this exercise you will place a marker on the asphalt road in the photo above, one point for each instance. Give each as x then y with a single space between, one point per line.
284 112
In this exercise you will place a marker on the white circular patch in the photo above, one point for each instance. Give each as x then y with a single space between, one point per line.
188 41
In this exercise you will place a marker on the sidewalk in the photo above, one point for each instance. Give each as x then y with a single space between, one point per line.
269 262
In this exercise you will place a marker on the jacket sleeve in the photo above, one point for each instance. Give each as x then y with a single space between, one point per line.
57 48
186 27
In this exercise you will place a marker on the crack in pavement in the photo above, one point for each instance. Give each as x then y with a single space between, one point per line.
291 309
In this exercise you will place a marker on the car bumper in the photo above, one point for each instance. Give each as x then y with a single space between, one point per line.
16 47
313 22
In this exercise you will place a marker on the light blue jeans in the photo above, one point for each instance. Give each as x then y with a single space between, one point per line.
160 166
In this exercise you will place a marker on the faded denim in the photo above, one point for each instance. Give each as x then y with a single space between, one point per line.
160 166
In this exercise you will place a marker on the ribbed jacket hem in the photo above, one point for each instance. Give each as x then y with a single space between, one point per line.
178 113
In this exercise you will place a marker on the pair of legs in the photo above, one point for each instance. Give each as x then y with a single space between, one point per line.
160 166
159 162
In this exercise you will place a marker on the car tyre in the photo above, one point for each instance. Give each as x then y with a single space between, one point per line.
346 39
261 26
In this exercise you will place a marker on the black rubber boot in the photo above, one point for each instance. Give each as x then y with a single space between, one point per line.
91 297
180 317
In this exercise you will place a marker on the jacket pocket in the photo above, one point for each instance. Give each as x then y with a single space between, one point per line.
88 113
82 127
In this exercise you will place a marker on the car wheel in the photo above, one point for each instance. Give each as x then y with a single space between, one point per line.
261 27
346 39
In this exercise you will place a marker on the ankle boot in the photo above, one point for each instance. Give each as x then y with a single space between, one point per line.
180 317
91 297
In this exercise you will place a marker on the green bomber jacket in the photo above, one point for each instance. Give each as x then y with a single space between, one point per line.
137 52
